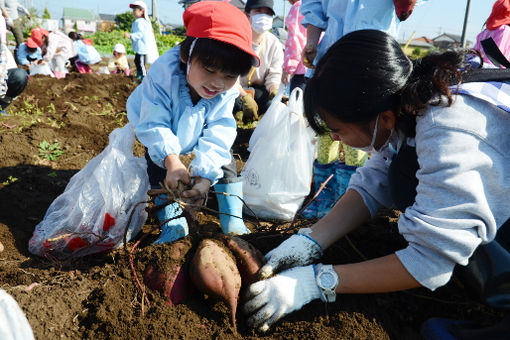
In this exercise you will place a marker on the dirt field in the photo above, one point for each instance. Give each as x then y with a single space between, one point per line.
96 297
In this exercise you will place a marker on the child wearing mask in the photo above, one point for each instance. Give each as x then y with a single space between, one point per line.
185 105
261 84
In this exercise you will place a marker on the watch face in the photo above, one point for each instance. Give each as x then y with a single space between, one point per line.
327 280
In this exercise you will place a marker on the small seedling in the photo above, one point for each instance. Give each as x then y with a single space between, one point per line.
52 174
50 151
10 180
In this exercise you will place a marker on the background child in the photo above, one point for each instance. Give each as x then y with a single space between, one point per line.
27 53
86 53
293 67
185 105
119 63
142 38
57 49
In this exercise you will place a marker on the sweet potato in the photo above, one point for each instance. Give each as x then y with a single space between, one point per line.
168 277
249 259
214 272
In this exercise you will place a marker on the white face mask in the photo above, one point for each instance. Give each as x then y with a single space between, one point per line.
371 148
261 22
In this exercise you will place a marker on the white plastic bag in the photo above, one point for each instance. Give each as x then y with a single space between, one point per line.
43 69
13 323
90 216
269 119
278 173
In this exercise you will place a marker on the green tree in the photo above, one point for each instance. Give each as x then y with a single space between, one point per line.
124 21
46 14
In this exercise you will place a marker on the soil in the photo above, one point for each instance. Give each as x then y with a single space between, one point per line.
96 297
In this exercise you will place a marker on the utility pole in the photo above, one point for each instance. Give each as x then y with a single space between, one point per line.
155 15
464 29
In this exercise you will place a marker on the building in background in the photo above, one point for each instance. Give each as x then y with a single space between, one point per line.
77 19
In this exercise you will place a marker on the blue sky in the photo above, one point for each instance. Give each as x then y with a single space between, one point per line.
431 19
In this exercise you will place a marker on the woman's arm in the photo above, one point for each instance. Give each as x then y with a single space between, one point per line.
379 275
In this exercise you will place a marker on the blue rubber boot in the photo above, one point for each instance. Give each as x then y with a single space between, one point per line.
231 205
174 229
323 203
343 176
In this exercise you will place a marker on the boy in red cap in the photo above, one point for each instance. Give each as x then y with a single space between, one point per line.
184 105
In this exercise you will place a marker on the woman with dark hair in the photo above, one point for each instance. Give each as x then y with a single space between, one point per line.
439 153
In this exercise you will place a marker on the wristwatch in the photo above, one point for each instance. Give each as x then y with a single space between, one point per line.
327 280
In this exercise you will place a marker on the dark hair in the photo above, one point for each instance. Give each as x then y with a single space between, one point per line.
74 35
217 55
366 73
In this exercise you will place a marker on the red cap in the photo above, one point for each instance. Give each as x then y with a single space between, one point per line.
31 43
500 15
36 37
221 21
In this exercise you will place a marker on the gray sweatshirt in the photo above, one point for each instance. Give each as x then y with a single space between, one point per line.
463 195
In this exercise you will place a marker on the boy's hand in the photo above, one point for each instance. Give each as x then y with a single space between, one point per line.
198 192
175 171
127 35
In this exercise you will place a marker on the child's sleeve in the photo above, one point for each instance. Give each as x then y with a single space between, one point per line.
21 54
137 31
274 73
294 43
149 109
314 13
212 151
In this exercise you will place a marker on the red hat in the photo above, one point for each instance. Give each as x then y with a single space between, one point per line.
500 15
221 21
31 43
36 38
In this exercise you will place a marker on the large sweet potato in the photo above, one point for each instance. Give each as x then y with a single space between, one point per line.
167 275
249 259
214 272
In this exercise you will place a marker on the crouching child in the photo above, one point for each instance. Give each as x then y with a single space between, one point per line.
184 105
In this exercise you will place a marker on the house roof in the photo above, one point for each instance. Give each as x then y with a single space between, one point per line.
78 13
447 37
106 17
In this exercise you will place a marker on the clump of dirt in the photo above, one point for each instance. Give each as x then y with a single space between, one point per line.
96 297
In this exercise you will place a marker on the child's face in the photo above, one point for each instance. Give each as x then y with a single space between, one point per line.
117 54
207 82
137 12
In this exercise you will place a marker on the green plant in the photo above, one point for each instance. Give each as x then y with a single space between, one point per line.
51 108
10 180
46 14
50 151
52 174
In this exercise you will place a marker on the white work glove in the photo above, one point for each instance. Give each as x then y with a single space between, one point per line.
271 299
298 250
9 22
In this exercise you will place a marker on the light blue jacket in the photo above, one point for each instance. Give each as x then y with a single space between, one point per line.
139 34
167 122
339 17
23 53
